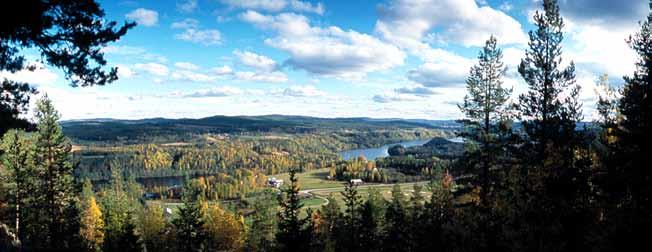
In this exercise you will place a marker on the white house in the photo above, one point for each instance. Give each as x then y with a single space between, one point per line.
356 181
273 182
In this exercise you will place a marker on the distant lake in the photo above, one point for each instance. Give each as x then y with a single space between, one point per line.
373 153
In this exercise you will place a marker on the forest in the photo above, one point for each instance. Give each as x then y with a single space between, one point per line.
531 174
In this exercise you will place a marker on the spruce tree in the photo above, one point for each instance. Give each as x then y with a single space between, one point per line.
371 221
352 201
189 224
290 235
396 219
484 106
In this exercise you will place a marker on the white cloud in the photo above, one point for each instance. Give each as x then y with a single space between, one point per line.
224 70
328 51
408 23
442 69
506 7
143 16
213 92
40 76
417 90
600 49
185 24
186 75
187 6
124 72
204 37
274 77
133 51
186 66
153 68
123 50
256 61
300 91
393 97
276 5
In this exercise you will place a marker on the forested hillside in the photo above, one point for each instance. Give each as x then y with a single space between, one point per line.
520 171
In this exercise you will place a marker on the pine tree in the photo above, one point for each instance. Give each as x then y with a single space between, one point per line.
290 235
68 35
484 105
17 173
626 181
549 110
54 171
553 182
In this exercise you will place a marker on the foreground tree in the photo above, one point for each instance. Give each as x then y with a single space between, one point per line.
118 207
626 161
550 172
260 236
68 34
397 217
291 234
152 228
56 197
484 106
224 231
189 224
16 173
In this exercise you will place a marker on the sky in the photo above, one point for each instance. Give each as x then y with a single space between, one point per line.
366 58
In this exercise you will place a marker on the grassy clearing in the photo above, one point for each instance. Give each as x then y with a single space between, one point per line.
315 179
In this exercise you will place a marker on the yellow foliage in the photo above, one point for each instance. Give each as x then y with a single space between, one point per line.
225 231
92 225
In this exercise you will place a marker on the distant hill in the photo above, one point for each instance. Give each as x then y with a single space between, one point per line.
112 129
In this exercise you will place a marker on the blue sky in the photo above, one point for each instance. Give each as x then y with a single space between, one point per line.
385 58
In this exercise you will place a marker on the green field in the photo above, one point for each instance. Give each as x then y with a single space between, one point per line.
315 179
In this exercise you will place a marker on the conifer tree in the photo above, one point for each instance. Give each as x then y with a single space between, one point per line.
54 171
371 221
189 223
626 165
290 236
350 239
551 108
16 172
261 233
396 217
484 105
331 215
551 174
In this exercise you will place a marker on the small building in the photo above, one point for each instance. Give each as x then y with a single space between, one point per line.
357 181
168 212
273 182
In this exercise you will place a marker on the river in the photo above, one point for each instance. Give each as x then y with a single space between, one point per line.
373 153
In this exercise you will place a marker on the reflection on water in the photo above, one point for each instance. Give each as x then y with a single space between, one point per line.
373 153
